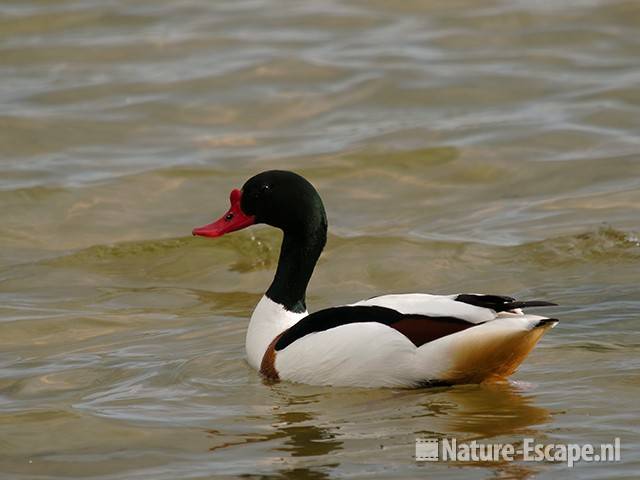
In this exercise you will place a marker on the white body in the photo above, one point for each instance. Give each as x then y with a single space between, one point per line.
370 354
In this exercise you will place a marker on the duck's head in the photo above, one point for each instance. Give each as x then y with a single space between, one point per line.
278 198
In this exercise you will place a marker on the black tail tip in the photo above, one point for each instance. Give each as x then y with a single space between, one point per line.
547 322
531 303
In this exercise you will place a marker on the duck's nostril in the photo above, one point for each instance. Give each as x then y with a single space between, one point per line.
228 217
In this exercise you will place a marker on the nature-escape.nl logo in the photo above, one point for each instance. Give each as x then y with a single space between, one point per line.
449 449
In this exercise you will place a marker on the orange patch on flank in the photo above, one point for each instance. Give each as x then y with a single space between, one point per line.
268 364
493 360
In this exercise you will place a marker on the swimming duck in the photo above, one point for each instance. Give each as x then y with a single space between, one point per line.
408 340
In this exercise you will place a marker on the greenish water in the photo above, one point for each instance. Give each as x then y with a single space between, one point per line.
458 146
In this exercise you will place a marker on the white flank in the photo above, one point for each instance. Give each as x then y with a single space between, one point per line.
357 354
375 355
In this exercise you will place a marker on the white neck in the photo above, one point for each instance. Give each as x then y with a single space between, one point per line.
269 319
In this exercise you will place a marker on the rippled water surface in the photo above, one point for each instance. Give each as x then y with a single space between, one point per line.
458 145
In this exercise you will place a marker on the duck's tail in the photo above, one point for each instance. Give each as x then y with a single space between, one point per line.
489 351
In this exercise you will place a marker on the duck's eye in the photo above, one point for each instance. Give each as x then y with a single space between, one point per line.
228 217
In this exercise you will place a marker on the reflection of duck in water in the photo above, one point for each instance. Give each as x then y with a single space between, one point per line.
489 410
296 437
495 413
306 432
389 341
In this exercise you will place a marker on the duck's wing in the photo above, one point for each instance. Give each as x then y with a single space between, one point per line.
421 317
472 307
419 329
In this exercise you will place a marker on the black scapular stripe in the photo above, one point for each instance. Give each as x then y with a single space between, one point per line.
500 303
337 316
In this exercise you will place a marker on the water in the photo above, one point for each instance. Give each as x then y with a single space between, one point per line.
458 147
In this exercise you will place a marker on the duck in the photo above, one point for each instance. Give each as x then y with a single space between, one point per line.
408 340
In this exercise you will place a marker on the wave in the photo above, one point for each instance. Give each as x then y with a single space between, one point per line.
259 250
604 244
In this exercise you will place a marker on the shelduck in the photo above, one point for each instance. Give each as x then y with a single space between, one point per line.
410 340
